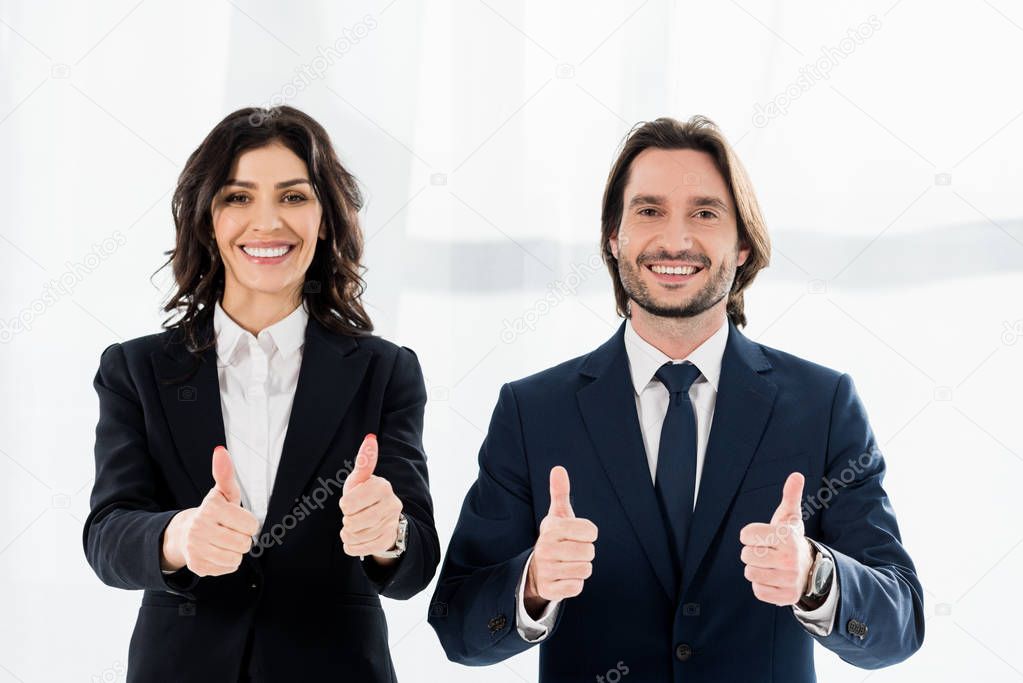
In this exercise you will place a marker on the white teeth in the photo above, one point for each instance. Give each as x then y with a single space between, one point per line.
265 253
674 270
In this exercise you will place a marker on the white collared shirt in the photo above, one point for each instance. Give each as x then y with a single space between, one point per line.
652 399
258 377
652 396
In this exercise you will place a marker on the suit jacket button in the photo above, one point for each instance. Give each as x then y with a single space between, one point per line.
683 652
497 623
856 628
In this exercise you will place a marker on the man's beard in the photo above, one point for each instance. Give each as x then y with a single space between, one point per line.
717 287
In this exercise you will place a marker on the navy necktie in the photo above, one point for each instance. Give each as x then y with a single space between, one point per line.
675 482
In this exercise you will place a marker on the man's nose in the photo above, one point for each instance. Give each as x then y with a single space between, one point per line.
678 235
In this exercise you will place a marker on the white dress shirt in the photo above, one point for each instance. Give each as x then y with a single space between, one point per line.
258 377
652 399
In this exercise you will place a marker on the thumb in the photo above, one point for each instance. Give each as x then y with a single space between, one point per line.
561 505
365 462
223 476
790 509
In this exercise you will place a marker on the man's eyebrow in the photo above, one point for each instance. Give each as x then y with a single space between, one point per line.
661 200
708 200
279 186
655 199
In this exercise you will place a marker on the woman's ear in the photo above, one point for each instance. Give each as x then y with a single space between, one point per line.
323 230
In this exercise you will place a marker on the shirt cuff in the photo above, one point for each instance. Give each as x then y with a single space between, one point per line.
821 621
533 630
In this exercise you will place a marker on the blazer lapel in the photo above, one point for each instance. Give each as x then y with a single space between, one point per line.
608 408
190 395
741 412
333 367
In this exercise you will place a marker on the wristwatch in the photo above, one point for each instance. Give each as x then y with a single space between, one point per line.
399 543
822 574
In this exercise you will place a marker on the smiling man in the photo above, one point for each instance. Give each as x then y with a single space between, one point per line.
682 503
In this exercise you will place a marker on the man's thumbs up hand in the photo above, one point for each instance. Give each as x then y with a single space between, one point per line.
777 555
561 489
371 511
563 555
211 539
790 510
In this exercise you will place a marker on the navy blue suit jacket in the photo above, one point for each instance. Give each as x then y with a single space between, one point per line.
775 414
298 608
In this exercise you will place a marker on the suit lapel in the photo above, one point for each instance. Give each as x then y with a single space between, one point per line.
741 413
190 395
608 408
333 367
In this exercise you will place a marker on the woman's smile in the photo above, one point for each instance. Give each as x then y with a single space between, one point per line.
267 253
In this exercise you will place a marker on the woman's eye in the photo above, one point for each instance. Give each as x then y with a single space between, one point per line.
293 198
232 198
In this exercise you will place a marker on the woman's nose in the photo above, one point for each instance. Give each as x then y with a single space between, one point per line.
267 216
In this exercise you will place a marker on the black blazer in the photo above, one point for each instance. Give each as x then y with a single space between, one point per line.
298 608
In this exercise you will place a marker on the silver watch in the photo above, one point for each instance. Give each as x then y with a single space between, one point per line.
822 574
399 543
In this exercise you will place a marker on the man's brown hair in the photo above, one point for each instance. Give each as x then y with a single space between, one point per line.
698 133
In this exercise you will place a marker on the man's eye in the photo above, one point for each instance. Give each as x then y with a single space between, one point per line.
643 212
706 214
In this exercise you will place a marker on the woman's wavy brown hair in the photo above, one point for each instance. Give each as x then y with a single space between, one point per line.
699 133
333 283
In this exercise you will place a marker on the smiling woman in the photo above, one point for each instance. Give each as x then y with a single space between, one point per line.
319 503
263 180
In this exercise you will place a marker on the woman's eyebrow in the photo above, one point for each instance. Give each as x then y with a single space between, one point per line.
279 186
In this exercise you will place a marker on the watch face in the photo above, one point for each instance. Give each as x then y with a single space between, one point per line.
822 577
